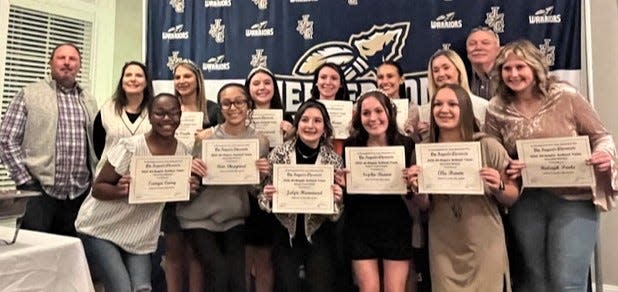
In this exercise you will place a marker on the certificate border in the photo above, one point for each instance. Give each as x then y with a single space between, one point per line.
277 168
423 148
525 176
350 189
159 158
253 142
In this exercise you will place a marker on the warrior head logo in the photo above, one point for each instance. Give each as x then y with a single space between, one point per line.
177 28
495 20
363 51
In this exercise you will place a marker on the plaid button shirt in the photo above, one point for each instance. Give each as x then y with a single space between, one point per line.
481 85
72 177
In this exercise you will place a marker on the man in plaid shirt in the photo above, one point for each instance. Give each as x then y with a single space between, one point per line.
46 143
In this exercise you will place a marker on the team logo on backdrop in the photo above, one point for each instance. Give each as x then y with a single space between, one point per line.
544 16
495 20
179 5
217 31
549 52
261 4
217 3
302 1
174 59
305 27
446 21
352 2
259 59
446 46
259 30
175 33
216 64
358 57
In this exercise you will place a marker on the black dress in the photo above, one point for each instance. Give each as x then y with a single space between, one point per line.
379 226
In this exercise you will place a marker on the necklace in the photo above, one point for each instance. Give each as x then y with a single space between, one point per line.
306 156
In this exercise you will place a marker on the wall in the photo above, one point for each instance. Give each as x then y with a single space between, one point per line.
604 16
127 39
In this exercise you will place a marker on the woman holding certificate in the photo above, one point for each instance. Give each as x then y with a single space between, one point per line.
306 242
259 226
555 228
179 256
467 250
329 84
214 220
119 237
378 226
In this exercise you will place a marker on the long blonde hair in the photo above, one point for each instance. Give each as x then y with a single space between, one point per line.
533 57
200 94
454 58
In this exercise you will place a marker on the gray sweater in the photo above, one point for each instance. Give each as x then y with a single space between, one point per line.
219 208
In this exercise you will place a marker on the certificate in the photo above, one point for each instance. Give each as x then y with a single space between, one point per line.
268 123
556 162
375 170
402 105
450 168
189 123
156 179
340 112
303 188
231 161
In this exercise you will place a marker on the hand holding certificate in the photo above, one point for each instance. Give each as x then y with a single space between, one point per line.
450 168
556 162
375 170
305 188
157 179
231 161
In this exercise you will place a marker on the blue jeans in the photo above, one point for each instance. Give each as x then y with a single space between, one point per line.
556 238
120 270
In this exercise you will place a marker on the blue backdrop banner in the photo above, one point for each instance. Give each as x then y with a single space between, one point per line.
227 38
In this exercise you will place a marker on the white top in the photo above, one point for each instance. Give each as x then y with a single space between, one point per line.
134 228
118 127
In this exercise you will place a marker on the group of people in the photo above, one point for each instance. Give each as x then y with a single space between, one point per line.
226 238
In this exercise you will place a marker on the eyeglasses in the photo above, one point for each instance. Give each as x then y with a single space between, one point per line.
239 104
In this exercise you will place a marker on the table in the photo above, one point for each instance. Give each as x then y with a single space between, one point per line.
44 262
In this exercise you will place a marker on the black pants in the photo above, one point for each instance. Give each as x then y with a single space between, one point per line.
48 214
305 266
223 256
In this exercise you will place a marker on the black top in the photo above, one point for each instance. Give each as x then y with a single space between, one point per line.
304 155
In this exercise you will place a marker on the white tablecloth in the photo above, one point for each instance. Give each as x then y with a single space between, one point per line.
44 262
